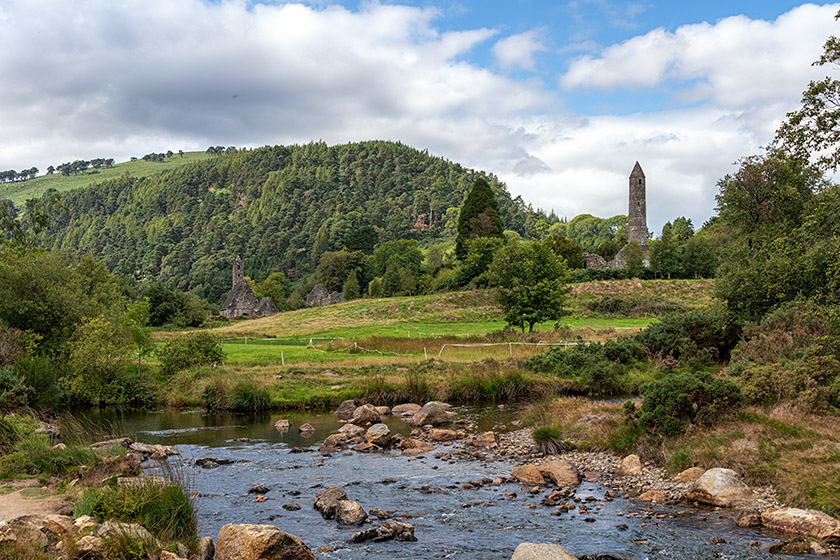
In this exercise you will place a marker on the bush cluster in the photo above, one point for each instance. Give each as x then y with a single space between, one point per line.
680 399
700 337
193 349
597 367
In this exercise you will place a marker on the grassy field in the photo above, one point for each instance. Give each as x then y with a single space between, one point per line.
18 193
460 327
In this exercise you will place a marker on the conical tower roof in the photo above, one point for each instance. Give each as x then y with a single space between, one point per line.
637 171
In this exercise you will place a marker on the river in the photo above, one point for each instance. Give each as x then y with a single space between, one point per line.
450 522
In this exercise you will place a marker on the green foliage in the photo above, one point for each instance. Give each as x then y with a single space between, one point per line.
814 129
173 307
350 290
276 286
363 239
192 349
97 363
335 266
26 453
14 392
604 236
790 356
480 252
42 377
598 368
779 221
680 399
704 336
479 217
549 439
402 252
185 227
50 295
569 252
530 282
164 509
248 398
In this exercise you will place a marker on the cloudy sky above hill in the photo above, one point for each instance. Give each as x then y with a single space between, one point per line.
557 98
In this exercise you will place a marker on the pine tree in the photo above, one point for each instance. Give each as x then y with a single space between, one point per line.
479 217
350 290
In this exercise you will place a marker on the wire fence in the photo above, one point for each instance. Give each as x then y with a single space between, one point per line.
355 348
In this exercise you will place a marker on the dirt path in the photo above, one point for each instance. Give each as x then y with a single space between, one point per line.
27 500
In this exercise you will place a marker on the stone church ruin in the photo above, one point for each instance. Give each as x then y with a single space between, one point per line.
637 231
241 301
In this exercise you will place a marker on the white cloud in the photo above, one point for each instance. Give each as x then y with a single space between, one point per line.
517 51
97 78
738 61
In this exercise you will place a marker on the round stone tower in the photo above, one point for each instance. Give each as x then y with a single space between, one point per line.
238 273
637 213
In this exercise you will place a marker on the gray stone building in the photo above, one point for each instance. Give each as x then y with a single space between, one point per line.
241 301
637 231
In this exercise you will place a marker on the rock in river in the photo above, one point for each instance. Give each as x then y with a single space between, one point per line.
718 487
365 415
433 413
259 542
531 551
345 410
326 501
407 409
348 512
803 522
379 434
558 471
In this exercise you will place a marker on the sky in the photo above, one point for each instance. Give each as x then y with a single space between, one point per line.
558 99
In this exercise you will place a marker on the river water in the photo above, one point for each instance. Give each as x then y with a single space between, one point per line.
451 522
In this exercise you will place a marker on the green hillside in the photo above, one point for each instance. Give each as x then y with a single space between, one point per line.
19 192
279 207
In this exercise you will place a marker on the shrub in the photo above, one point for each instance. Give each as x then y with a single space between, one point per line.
549 439
42 376
703 336
680 399
193 349
597 367
249 398
790 356
163 508
14 392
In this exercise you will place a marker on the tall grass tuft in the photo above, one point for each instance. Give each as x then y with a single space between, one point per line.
249 398
549 440
162 506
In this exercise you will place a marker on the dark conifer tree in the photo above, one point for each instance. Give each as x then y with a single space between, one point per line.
479 217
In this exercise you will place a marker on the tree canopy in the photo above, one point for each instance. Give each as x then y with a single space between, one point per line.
479 217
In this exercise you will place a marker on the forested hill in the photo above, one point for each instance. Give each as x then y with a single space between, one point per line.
278 207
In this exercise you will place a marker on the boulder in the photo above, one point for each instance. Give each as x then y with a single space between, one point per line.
630 466
133 530
558 471
718 487
654 497
84 522
348 512
166 555
345 409
206 550
259 542
351 429
486 439
366 448
407 409
58 524
439 434
122 442
413 447
90 546
431 413
531 551
334 442
395 530
282 425
689 475
383 410
327 500
365 415
803 522
378 434
306 430
153 450
748 518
